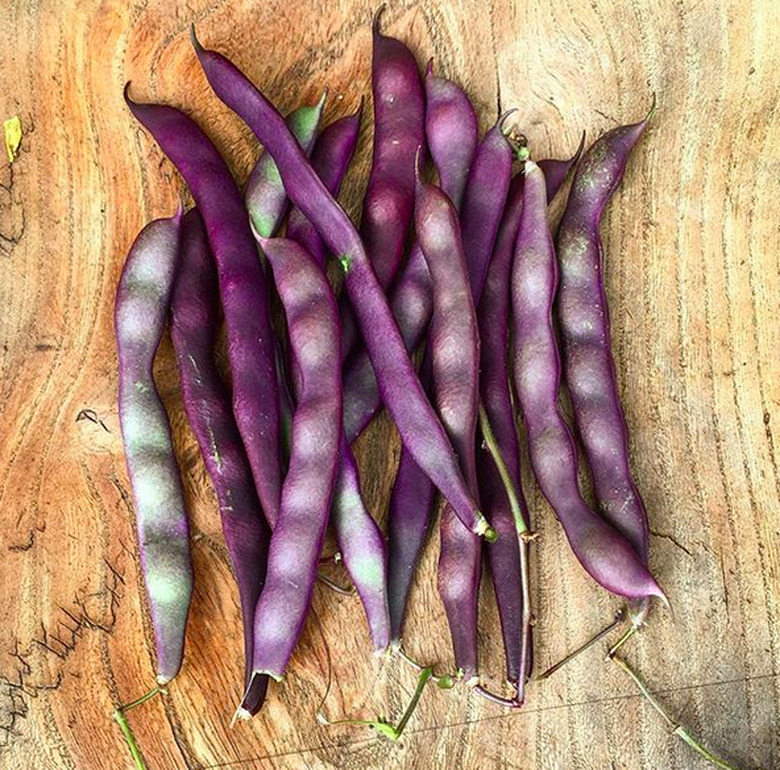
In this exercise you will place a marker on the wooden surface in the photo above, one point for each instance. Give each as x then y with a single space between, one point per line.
692 273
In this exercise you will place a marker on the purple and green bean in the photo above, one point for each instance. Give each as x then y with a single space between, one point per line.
466 267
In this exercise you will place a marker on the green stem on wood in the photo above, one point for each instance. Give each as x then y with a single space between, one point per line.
124 725
382 725
677 729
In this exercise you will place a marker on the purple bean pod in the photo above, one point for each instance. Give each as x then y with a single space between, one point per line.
451 131
583 316
417 423
264 197
195 316
399 129
242 285
141 310
483 203
330 158
296 542
504 555
604 553
362 547
453 339
509 552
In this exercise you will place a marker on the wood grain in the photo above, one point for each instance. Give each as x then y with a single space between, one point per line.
693 275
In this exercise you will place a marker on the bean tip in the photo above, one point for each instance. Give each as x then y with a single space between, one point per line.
126 93
429 69
375 22
194 40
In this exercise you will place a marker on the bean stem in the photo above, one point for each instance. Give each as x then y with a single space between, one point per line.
619 617
381 725
443 681
511 493
124 725
523 533
677 729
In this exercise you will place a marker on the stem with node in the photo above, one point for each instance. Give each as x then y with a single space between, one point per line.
382 725
124 725
524 535
677 729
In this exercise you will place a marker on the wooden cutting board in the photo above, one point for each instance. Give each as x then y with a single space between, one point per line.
692 266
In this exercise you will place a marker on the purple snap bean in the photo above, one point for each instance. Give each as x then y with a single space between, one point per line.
604 553
141 310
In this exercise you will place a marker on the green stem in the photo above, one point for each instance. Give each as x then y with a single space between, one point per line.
119 718
503 471
523 535
442 681
138 701
381 725
422 680
124 726
620 642
677 729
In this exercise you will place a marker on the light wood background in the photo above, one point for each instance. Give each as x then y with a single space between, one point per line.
693 277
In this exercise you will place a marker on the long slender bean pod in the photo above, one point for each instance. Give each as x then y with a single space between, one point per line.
264 197
583 316
242 285
454 343
399 129
451 135
330 158
605 554
141 310
509 554
417 423
194 322
505 554
451 132
296 542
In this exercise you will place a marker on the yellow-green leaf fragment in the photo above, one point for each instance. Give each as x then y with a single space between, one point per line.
12 130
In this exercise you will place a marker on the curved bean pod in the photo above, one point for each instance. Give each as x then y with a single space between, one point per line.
140 313
483 203
362 547
583 314
242 285
330 159
195 318
451 134
417 423
399 129
504 555
604 553
509 552
296 542
264 197
451 131
453 338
